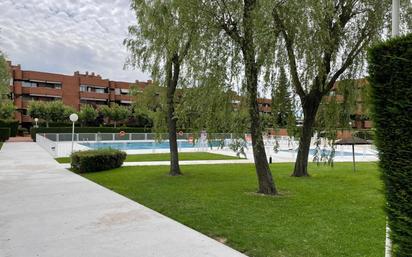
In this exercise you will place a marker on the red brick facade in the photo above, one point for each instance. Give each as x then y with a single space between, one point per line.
74 90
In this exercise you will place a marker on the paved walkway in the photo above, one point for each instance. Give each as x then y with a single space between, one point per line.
46 210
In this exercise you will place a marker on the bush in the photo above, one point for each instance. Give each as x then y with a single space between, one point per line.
12 124
390 73
4 134
97 160
33 130
365 134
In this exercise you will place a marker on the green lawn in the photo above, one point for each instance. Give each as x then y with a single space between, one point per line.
335 212
166 157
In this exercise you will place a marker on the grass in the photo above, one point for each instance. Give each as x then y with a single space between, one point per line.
335 212
1 145
166 157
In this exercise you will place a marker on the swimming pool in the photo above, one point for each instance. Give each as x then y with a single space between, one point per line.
149 145
144 145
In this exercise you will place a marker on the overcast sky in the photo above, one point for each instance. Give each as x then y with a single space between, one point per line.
64 36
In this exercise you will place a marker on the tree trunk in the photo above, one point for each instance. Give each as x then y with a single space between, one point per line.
114 123
310 108
172 79
265 180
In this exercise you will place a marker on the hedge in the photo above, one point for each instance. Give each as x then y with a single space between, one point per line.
12 124
34 131
4 134
390 71
97 160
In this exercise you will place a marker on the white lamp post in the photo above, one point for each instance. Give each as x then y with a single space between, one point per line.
36 120
395 18
73 117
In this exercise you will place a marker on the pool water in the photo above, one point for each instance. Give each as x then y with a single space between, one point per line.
185 144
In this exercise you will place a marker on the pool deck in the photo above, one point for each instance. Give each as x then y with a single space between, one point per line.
46 210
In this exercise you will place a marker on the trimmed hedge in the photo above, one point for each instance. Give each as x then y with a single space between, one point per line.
33 130
390 70
4 134
97 160
12 124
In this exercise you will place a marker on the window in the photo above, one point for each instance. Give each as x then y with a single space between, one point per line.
28 84
88 88
99 90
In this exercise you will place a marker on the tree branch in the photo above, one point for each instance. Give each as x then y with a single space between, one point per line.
291 55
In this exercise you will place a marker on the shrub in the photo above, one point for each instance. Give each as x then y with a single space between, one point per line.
33 130
97 160
390 73
12 125
365 134
4 134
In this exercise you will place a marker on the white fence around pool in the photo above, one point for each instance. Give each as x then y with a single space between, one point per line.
60 145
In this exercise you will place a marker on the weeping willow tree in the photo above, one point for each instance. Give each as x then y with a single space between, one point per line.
160 43
324 44
243 28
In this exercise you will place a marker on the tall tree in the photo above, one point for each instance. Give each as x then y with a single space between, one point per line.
4 77
7 109
115 113
244 24
282 108
323 41
88 114
53 111
163 36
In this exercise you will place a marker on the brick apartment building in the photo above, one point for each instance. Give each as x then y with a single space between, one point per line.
73 90
89 88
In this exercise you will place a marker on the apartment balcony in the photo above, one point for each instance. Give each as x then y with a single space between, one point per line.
42 91
123 98
94 96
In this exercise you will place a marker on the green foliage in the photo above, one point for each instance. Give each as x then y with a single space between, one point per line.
335 110
7 109
4 134
52 111
213 108
164 30
97 160
115 112
4 77
282 106
334 213
390 71
34 131
12 124
151 102
88 114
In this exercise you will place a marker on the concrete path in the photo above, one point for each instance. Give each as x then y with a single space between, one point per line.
46 210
